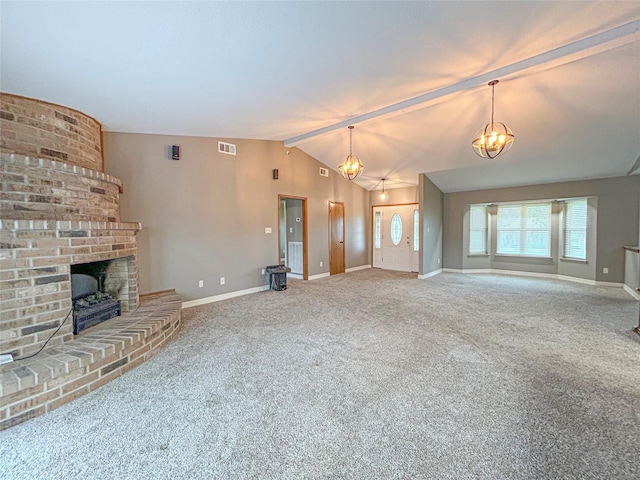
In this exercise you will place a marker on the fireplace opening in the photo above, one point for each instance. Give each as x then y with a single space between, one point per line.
100 291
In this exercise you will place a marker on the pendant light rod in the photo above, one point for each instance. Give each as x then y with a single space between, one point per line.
493 94
350 127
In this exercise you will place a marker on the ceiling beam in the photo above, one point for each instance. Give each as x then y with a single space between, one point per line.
636 166
583 48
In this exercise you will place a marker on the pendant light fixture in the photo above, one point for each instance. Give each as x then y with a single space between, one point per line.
383 195
352 166
495 137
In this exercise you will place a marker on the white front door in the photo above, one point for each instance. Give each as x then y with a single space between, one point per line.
393 238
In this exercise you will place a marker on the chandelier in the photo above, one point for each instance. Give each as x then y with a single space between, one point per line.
352 166
495 137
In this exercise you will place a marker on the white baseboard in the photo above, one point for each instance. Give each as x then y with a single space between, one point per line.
585 281
319 276
430 274
631 291
224 296
354 269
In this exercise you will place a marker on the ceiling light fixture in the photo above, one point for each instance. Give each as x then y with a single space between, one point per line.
383 195
352 166
495 137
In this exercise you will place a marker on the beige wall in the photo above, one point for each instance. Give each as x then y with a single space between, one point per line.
395 196
431 228
204 216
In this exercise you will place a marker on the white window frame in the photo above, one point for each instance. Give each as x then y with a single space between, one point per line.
416 230
484 229
567 230
523 229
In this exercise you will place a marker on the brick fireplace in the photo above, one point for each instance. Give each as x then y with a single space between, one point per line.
39 246
59 211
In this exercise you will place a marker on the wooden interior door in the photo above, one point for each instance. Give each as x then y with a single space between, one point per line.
336 238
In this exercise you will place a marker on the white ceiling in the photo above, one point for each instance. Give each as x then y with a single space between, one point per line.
569 79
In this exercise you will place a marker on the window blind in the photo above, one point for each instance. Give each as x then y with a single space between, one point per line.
575 229
524 230
478 229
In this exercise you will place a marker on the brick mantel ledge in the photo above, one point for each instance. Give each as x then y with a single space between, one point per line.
59 374
65 225
26 161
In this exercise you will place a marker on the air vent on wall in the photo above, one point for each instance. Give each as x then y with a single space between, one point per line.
324 172
227 148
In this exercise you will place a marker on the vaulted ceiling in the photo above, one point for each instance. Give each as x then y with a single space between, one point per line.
411 76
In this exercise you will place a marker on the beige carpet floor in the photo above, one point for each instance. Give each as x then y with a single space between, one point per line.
366 375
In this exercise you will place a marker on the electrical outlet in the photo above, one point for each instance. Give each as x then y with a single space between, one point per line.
438 261
320 263
264 271
267 229
200 283
221 280
605 270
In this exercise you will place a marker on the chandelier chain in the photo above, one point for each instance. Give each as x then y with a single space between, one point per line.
493 92
350 140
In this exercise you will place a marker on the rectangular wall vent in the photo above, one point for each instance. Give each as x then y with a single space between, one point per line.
227 148
324 172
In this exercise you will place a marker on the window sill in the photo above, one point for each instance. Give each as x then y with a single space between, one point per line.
506 255
573 260
478 255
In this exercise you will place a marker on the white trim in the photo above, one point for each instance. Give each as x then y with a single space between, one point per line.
631 292
354 269
609 284
471 270
585 281
224 296
430 274
319 276
297 276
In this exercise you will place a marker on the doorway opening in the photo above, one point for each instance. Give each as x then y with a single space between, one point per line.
396 241
292 235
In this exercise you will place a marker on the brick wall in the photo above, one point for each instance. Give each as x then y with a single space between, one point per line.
36 189
44 130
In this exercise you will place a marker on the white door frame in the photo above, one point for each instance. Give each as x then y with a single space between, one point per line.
406 212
